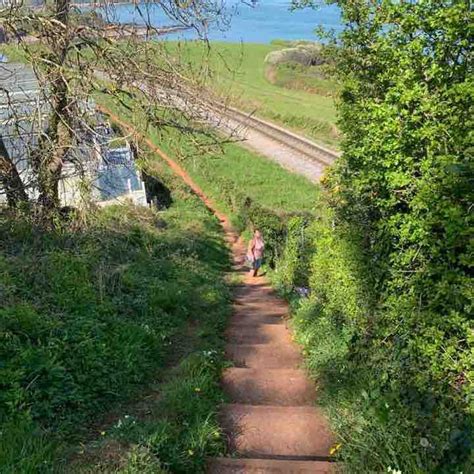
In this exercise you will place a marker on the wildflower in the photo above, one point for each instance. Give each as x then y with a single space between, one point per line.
334 449
394 471
197 389
102 433
190 452
424 442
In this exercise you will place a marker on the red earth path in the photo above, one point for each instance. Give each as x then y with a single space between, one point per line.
272 423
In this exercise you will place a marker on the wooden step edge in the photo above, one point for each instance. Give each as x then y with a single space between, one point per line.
224 465
283 457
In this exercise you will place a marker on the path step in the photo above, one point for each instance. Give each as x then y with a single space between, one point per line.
247 317
257 303
259 289
262 431
258 334
264 356
268 466
283 387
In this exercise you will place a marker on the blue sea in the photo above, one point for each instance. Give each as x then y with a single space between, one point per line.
262 23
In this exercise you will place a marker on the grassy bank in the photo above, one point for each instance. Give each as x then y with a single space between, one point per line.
92 312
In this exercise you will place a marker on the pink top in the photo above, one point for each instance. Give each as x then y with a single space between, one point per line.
256 247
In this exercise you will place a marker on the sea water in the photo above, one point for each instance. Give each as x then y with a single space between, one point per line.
265 21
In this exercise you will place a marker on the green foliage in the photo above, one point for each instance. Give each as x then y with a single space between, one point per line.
180 430
292 266
89 312
27 449
312 79
141 461
314 127
388 329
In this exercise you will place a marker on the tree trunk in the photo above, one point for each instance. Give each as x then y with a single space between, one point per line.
56 141
10 178
50 157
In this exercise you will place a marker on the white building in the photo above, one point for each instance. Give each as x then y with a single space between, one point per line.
110 174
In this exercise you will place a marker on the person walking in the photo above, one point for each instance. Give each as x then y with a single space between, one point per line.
255 252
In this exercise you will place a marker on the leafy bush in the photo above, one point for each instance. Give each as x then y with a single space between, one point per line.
383 413
312 79
388 328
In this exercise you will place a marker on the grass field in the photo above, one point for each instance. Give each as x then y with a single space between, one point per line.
238 71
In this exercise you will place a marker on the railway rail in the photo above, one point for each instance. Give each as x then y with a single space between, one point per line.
299 144
291 150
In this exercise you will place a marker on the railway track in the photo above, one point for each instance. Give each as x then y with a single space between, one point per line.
301 145
292 151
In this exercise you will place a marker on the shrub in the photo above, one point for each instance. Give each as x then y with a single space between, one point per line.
391 270
389 392
305 54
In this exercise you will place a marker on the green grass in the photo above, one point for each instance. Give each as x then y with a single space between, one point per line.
179 429
238 71
253 175
257 177
92 312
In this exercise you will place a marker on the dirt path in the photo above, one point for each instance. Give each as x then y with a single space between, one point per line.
272 423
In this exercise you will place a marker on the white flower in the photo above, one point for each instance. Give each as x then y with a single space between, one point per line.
394 471
424 442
